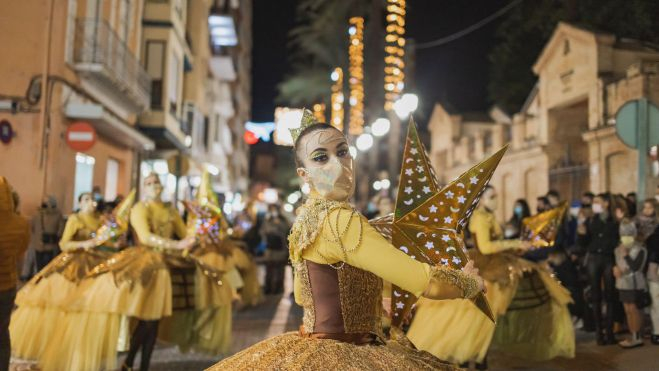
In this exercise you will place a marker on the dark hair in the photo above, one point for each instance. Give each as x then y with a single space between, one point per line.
544 199
588 194
526 210
83 194
309 130
554 193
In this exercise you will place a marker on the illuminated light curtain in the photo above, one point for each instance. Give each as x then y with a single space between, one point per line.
319 112
356 81
394 77
337 113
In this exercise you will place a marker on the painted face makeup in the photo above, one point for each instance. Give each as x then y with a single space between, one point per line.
152 187
328 166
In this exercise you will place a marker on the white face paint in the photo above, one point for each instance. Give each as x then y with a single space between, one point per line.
489 199
152 187
328 166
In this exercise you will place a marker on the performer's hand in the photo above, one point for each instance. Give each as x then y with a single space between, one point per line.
186 243
471 270
617 273
386 304
526 245
89 244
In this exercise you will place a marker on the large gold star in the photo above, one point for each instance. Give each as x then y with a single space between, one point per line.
541 229
427 223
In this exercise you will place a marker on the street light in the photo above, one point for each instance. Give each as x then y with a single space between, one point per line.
380 127
406 105
364 142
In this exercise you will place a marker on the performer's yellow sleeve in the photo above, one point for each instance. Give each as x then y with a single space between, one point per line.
180 229
480 226
66 242
139 219
376 255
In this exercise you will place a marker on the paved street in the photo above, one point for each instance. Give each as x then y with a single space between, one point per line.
276 316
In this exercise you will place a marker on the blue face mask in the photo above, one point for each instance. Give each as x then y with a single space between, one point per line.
518 210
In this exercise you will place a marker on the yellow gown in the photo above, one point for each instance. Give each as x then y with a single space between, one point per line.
533 321
338 282
250 293
42 303
146 282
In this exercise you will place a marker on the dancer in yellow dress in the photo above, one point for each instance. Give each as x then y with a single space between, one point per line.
340 262
39 302
533 320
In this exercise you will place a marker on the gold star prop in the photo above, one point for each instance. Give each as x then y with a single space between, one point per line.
117 224
541 229
428 221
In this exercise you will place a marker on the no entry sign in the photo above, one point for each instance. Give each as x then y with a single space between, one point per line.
80 136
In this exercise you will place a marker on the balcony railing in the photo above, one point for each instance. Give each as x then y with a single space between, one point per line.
98 50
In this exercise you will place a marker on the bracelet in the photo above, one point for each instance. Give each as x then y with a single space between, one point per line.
468 284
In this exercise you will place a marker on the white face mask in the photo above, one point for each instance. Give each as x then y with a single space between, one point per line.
597 208
329 167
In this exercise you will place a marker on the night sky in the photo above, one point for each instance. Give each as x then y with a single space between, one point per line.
456 73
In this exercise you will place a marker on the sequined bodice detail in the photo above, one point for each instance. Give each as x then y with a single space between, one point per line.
346 300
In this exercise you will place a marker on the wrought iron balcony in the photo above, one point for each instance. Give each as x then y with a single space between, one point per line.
100 55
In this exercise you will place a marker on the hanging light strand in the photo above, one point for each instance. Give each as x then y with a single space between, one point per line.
336 99
394 65
356 80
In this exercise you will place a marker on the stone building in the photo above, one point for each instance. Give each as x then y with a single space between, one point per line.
564 136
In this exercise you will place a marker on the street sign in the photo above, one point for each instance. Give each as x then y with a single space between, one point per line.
6 132
628 127
637 125
80 136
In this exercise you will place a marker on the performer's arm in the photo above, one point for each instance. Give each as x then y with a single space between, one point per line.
66 243
139 221
480 229
376 255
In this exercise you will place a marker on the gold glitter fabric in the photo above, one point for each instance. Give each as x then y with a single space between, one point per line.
308 224
292 352
73 265
457 278
361 300
306 297
134 265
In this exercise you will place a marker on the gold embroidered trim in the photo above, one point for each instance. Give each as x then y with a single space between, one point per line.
456 277
309 223
360 293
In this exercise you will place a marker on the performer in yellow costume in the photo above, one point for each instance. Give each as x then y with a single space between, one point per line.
40 302
533 320
340 262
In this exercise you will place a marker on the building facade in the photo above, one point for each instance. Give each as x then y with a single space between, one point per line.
564 137
70 61
149 76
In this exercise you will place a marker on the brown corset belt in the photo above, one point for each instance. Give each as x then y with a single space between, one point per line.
360 338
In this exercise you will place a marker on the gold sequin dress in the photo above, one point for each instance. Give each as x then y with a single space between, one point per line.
42 302
340 262
533 321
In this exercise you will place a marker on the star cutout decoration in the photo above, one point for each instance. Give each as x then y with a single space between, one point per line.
413 231
117 224
541 229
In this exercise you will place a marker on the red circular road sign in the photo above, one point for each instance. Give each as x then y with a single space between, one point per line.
80 136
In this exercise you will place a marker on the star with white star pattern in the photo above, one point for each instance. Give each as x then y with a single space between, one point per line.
419 169
400 305
449 194
426 189
461 199
408 190
409 172
430 245
448 220
433 209
456 260
446 238
414 151
473 180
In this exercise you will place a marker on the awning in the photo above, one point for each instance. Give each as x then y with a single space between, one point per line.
109 126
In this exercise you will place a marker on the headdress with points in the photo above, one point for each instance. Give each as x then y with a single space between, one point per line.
541 229
428 220
117 224
308 119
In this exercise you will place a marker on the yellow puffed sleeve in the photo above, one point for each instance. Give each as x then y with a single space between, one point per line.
73 224
139 219
374 253
482 225
179 226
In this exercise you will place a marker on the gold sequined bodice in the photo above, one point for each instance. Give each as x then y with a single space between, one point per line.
160 219
346 300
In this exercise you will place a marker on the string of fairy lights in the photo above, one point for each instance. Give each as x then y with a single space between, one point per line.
356 79
337 99
394 77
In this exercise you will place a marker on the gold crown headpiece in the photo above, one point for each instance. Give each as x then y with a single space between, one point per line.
308 119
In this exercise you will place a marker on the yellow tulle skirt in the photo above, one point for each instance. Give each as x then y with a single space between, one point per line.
292 352
533 321
43 303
